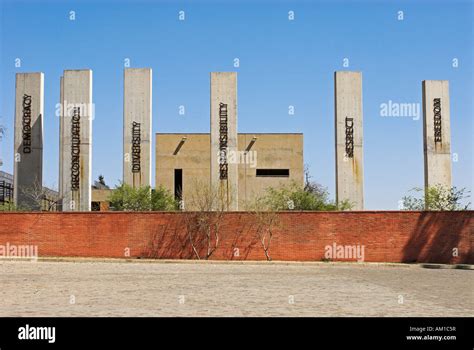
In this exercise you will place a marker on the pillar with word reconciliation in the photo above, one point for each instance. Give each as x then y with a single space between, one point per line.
137 117
224 168
28 152
349 136
76 140
436 133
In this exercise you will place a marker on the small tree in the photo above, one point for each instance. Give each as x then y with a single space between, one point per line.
266 221
437 198
163 200
203 225
126 198
8 206
38 197
321 195
294 197
101 181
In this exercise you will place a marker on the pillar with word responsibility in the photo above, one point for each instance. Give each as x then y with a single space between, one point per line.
224 172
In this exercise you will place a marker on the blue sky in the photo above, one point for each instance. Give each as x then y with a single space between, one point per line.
282 63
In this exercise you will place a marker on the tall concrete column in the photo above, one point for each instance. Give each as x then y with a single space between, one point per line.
137 117
28 157
436 133
76 143
224 174
349 135
61 136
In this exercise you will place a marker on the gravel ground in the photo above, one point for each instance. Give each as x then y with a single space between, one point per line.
198 289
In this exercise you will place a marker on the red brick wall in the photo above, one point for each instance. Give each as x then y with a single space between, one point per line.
389 236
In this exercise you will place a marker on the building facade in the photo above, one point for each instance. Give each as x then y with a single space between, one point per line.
183 164
236 168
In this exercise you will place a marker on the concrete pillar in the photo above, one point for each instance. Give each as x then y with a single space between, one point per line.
76 143
137 117
436 133
349 135
224 173
28 157
61 136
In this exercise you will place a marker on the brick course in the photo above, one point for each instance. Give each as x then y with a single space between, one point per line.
388 236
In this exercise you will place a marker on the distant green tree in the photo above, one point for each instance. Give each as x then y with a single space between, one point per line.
163 200
126 198
266 222
208 203
311 197
437 198
321 194
7 206
294 197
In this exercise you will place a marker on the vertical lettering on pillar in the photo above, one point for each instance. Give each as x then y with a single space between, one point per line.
223 141
75 148
136 152
437 120
349 137
26 124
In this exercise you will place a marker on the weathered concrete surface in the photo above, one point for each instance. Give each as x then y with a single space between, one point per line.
189 152
61 137
224 91
437 155
155 289
28 149
349 121
137 125
77 94
269 151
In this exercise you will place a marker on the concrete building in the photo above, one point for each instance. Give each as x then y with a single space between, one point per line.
6 189
349 134
241 166
45 199
137 116
436 133
76 140
100 195
28 144
183 161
